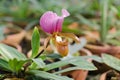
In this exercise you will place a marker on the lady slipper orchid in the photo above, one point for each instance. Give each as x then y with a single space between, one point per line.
51 23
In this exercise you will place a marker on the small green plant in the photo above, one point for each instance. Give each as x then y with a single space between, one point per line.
104 19
14 64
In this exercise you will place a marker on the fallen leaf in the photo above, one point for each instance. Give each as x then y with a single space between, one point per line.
15 39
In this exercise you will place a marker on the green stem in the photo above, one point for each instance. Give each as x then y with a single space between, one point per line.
104 27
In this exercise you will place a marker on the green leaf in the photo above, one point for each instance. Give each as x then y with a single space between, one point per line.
2 76
32 77
35 43
39 62
47 75
54 56
16 65
94 57
33 66
4 65
78 61
113 42
67 69
55 65
2 27
88 22
111 61
111 35
10 53
104 19
83 64
75 31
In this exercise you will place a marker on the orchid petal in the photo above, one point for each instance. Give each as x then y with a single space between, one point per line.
58 26
70 35
50 22
65 13
62 47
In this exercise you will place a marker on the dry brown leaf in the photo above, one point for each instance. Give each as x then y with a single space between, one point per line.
73 25
98 50
14 79
112 30
103 76
92 36
28 35
14 39
113 75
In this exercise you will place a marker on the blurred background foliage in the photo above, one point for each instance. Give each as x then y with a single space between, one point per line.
88 13
31 10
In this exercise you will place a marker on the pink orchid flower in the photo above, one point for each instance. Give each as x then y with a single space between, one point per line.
50 22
